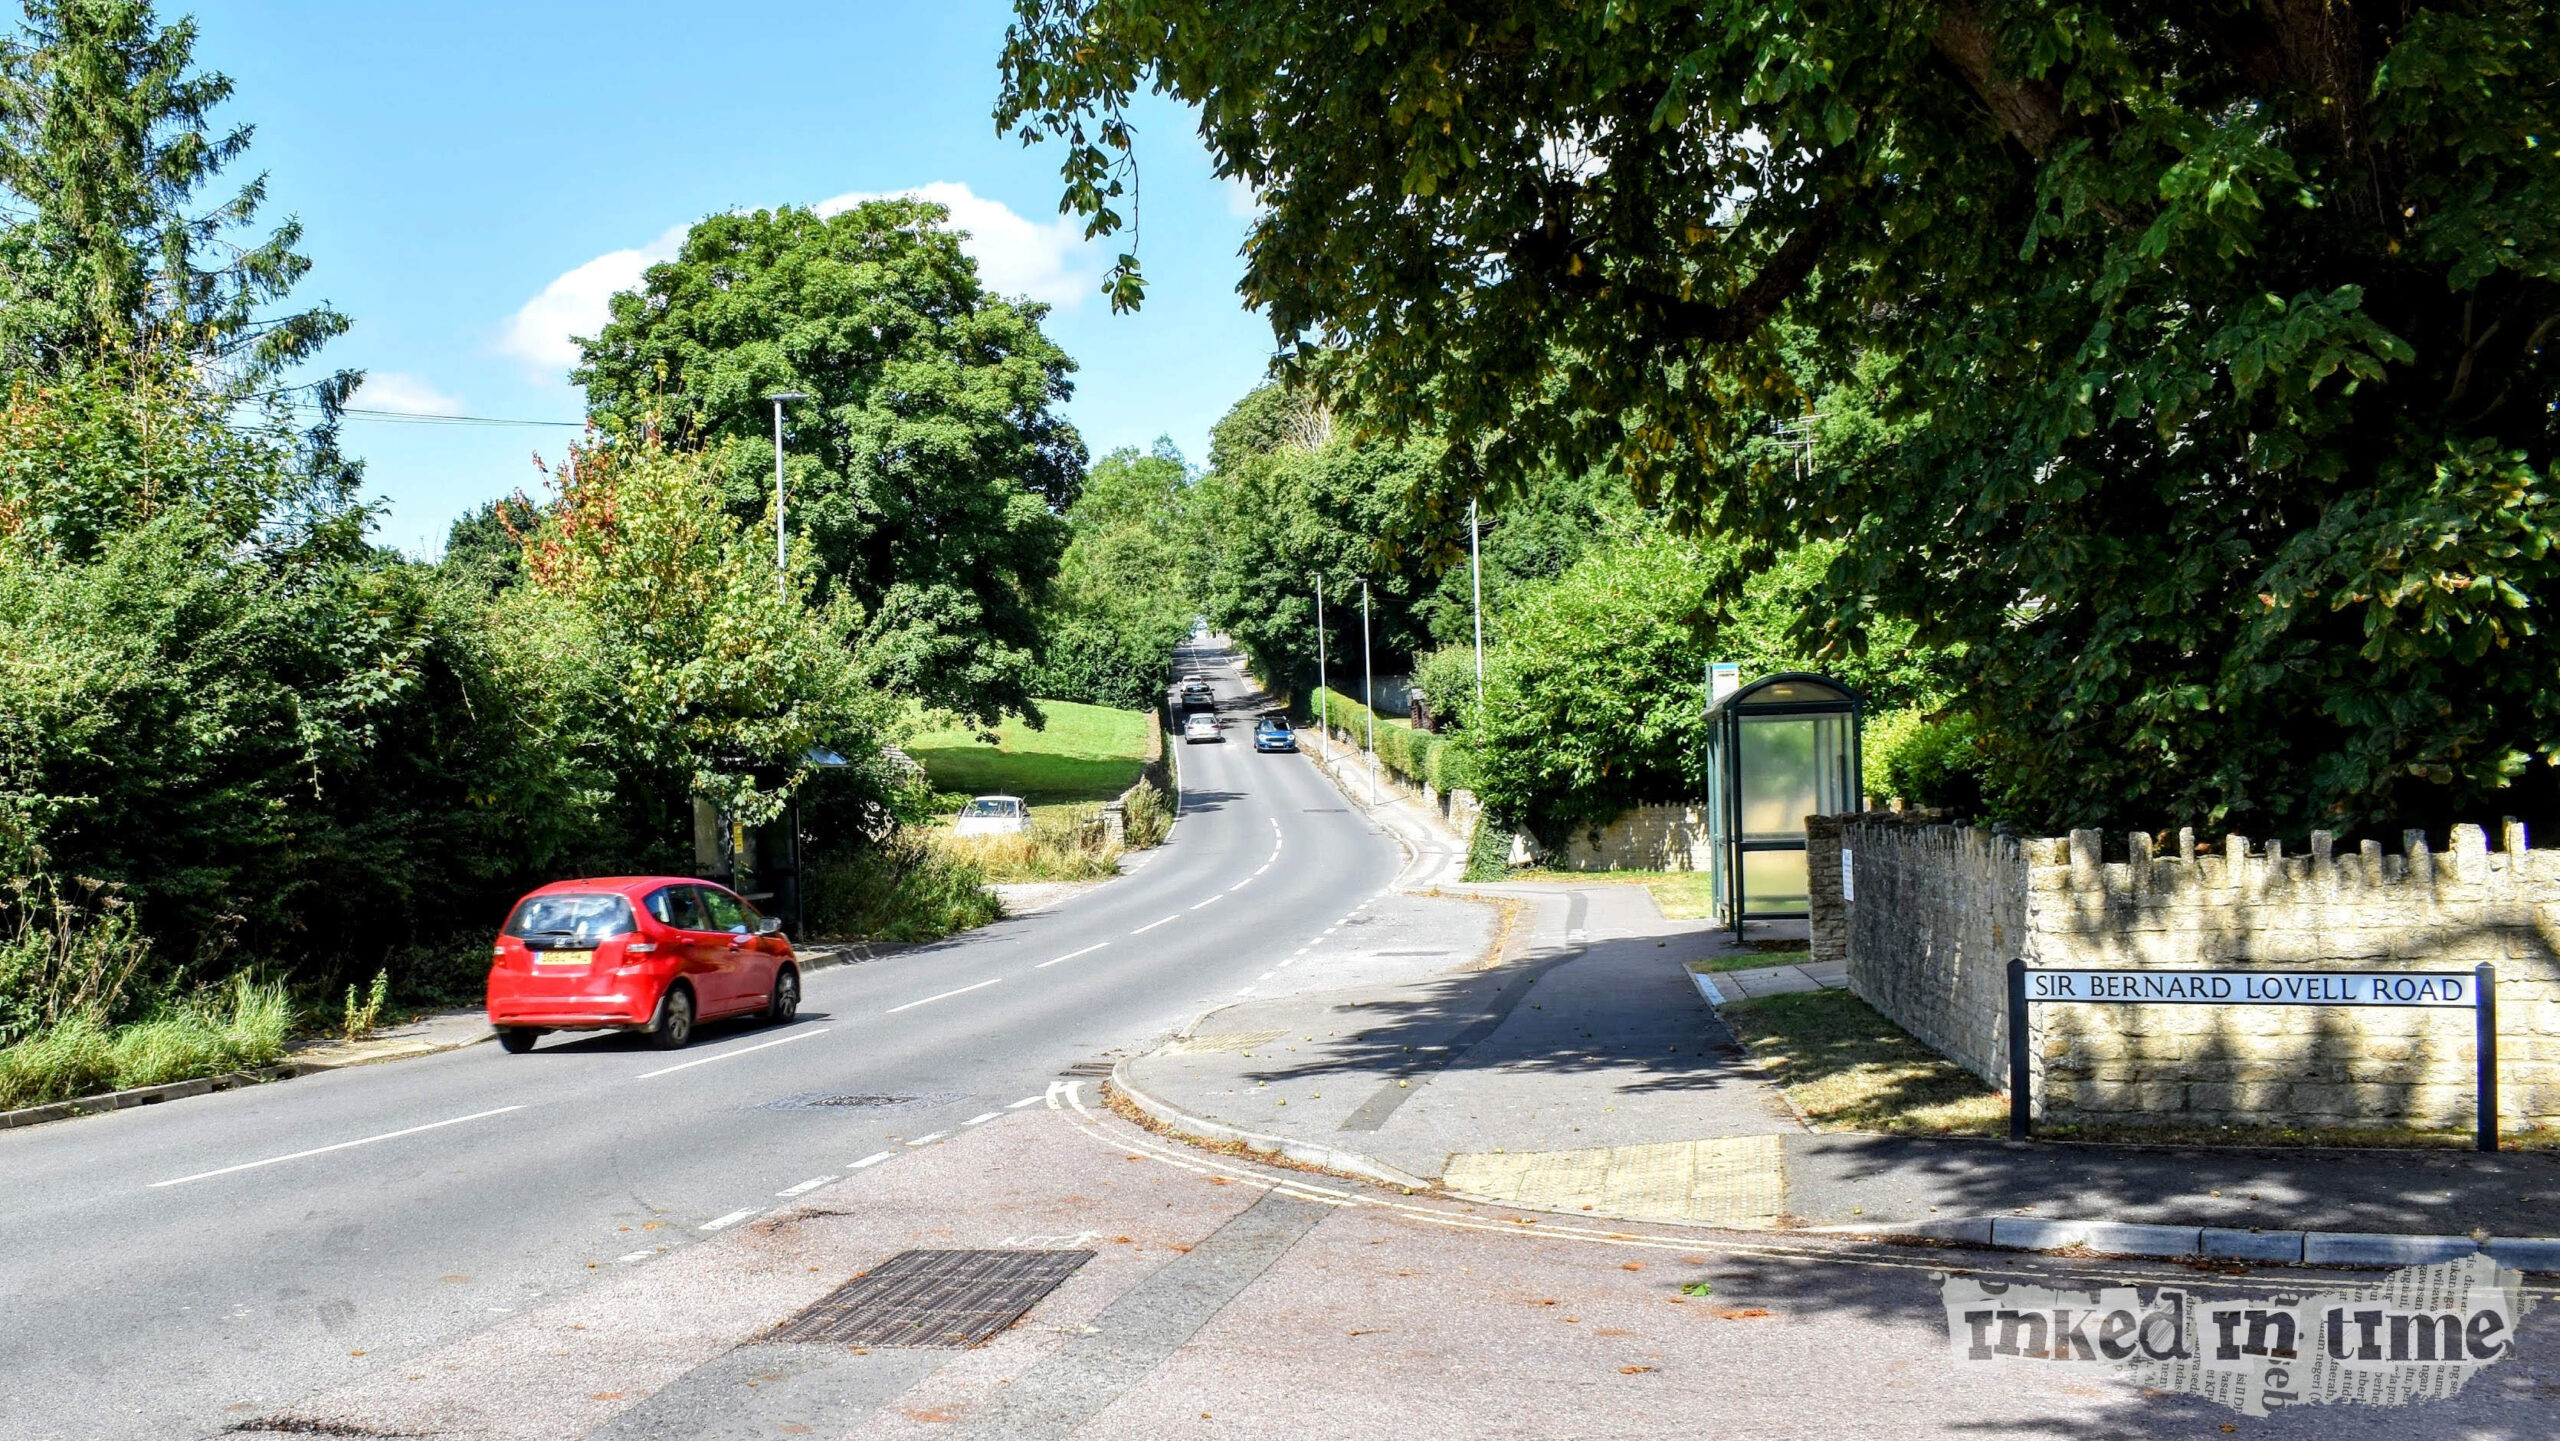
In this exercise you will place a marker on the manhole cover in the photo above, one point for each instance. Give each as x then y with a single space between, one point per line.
947 1299
814 1100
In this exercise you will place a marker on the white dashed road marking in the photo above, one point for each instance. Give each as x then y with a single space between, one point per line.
1025 1101
981 1120
342 1145
805 1187
733 1218
725 1055
929 1138
1071 955
946 995
874 1159
1151 925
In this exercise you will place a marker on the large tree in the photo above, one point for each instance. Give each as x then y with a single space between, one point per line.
2186 365
106 143
928 466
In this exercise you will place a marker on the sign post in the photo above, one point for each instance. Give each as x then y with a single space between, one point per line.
2477 991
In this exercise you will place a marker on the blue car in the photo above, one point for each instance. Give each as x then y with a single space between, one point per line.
1272 733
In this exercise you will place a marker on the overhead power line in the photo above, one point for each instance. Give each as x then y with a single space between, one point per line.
404 417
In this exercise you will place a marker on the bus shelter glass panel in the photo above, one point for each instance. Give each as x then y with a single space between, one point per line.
1719 825
1777 752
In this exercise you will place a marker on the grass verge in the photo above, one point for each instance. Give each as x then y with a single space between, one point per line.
1062 845
1086 753
237 1027
904 890
1846 1067
1749 961
1682 895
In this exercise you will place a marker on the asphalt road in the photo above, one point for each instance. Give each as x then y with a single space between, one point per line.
173 1269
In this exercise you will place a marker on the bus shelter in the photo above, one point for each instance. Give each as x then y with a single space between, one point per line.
1778 750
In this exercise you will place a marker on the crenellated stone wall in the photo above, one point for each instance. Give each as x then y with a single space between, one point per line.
1939 910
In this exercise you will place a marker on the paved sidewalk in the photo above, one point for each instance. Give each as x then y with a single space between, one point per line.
1588 1073
425 1036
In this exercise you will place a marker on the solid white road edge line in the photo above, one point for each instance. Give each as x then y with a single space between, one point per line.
946 995
981 1120
805 1187
324 1150
733 1218
724 1055
1071 955
874 1159
1151 925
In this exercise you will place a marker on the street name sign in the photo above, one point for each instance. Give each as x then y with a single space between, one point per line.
2258 988
2475 990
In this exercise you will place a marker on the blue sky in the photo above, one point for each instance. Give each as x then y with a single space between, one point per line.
474 178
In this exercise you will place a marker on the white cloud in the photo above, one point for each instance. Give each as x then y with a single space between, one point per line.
1016 256
402 393
541 333
1051 262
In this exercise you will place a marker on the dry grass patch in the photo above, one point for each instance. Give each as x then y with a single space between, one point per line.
1845 1067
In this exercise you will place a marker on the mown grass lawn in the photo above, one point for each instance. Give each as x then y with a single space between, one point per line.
1087 753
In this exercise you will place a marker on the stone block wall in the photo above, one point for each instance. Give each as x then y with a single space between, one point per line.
1641 838
1938 911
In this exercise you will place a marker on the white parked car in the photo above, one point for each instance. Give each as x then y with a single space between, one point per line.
992 816
1200 726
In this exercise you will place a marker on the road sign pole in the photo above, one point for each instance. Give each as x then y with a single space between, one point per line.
2021 1119
2484 1013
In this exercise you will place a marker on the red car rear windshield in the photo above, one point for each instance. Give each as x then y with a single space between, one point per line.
571 919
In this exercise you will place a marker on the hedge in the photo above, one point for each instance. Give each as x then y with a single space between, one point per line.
1444 762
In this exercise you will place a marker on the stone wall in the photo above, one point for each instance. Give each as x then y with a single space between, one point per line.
1937 911
1641 838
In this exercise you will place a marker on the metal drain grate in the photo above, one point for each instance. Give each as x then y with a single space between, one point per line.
1088 1068
946 1299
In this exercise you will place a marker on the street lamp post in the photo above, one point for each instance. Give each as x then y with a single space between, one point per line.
1324 712
1368 691
1475 572
781 558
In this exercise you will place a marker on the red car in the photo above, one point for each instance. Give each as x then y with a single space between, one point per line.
657 954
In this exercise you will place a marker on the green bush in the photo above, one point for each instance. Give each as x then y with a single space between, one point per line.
1488 851
1118 661
1448 677
902 890
1939 763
